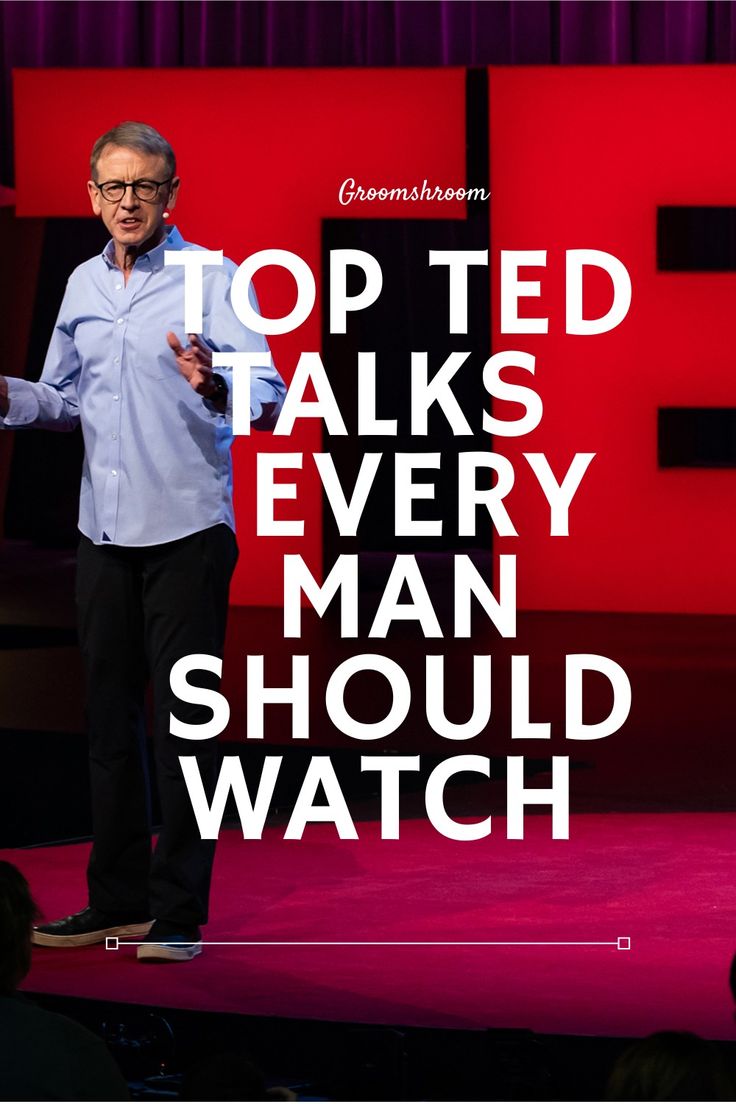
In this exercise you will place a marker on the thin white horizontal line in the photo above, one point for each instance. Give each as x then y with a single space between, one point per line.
112 943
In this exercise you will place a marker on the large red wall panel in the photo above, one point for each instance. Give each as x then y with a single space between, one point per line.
582 158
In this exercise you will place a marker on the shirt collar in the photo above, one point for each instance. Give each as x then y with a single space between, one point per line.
155 256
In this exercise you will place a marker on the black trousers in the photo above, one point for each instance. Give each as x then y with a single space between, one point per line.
140 610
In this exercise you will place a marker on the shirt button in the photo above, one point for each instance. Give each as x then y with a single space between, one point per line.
118 287
114 436
120 321
114 472
116 398
116 360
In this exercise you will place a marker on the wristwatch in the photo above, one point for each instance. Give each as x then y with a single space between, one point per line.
220 391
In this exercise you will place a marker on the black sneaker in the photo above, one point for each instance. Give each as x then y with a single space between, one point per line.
89 926
164 943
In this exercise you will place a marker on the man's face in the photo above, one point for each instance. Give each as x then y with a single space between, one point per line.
130 220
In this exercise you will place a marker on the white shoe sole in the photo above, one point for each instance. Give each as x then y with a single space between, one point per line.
169 952
122 931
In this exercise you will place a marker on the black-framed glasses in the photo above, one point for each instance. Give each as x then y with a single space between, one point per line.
147 190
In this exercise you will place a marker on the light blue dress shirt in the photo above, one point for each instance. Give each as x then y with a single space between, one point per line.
157 456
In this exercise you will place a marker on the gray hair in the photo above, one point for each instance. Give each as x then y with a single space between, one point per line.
137 136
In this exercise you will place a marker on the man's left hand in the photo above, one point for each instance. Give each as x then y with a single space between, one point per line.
194 363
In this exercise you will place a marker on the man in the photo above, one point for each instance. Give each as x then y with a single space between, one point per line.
157 548
43 1056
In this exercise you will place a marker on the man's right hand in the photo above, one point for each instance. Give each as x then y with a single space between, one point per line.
4 400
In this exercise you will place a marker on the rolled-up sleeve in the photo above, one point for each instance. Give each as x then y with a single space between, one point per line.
52 402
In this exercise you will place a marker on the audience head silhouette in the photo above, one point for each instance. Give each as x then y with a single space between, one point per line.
671 1065
229 1076
45 1056
18 912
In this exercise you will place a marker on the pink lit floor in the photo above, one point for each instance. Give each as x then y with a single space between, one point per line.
665 880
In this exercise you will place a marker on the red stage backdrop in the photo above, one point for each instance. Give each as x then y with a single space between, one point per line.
580 158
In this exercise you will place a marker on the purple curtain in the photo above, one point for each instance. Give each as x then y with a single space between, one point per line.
355 32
